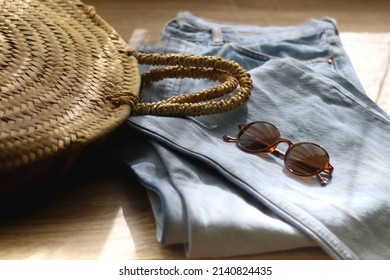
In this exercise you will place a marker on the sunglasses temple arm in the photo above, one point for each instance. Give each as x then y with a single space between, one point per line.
228 138
323 180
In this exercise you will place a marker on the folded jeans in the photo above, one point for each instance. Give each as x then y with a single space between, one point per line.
221 201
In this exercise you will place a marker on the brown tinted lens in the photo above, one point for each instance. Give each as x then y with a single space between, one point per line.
258 136
306 159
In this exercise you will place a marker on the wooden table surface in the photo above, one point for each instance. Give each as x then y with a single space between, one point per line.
99 210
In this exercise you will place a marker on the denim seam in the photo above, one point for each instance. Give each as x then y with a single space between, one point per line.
330 42
164 225
285 35
249 53
340 90
295 216
185 210
312 228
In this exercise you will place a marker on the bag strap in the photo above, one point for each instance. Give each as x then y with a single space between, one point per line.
229 73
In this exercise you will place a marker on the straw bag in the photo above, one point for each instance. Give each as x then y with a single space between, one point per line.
67 79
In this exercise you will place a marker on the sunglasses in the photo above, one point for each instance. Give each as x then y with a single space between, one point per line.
303 159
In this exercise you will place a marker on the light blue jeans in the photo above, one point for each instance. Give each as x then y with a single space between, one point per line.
220 201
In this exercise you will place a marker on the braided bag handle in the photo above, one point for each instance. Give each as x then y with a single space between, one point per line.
229 73
68 79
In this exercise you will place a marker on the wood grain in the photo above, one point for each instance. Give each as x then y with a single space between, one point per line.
356 16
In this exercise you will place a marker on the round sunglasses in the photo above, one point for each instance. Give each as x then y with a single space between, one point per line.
302 159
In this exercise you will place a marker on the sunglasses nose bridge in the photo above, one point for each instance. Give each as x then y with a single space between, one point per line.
284 140
277 152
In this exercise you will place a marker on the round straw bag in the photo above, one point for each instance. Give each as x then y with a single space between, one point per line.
67 79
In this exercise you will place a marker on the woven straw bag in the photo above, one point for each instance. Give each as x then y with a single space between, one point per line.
67 79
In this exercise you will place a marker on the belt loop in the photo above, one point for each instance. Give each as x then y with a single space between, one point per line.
217 36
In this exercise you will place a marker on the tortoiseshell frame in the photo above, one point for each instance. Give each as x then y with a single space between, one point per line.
328 168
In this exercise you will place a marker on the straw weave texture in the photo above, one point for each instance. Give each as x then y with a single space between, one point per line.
67 79
59 62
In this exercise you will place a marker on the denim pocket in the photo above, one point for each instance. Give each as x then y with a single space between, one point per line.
311 47
187 31
246 57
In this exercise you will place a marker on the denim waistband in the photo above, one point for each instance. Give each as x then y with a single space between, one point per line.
218 33
315 41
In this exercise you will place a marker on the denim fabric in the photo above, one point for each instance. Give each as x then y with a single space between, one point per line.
221 201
